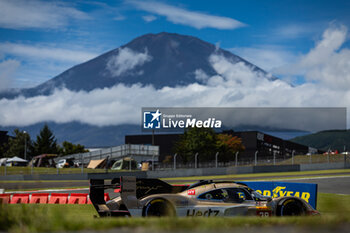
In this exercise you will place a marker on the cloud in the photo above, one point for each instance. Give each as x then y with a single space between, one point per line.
182 16
234 85
201 75
44 52
119 18
23 14
294 31
328 63
266 57
149 18
126 60
7 71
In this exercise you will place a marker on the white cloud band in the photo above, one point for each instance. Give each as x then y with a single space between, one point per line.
185 17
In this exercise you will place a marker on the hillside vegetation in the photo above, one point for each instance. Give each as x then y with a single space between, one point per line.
324 140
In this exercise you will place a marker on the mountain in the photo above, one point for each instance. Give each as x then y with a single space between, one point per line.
163 59
324 140
84 134
168 59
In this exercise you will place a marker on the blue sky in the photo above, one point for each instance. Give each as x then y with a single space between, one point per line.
40 39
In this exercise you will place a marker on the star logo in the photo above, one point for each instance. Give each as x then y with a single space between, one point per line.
151 120
156 115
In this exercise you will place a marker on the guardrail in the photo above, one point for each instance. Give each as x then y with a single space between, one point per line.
266 161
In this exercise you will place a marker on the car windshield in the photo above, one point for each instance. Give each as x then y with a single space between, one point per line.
234 195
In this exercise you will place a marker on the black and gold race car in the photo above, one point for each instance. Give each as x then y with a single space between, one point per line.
154 197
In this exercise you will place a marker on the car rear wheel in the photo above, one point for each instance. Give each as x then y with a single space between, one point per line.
290 207
158 208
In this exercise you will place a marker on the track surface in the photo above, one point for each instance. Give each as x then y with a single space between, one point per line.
327 183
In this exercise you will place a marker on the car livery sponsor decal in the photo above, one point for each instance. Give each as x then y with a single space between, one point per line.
307 192
206 213
191 192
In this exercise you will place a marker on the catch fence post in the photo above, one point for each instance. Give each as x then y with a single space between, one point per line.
216 159
274 158
236 158
328 156
175 161
195 160
130 163
256 158
82 163
153 161
293 157
310 158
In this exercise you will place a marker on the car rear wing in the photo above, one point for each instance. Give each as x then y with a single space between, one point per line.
131 190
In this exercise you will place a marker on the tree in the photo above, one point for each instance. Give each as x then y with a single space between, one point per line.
228 145
70 148
17 145
197 140
45 142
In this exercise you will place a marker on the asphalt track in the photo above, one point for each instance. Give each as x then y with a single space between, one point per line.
327 183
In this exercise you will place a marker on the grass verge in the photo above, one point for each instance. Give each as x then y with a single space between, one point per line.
335 211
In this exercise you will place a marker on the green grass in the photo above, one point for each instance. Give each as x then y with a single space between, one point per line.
318 158
335 210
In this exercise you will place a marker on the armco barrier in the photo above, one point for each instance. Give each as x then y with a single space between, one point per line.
322 166
5 198
78 198
22 198
58 198
39 198
280 168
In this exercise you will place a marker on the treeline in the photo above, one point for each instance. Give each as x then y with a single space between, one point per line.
21 145
207 143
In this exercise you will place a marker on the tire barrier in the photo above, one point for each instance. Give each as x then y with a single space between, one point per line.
47 198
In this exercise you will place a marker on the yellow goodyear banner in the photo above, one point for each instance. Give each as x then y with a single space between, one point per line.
308 192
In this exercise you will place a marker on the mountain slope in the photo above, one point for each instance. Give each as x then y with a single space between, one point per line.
168 60
163 59
324 140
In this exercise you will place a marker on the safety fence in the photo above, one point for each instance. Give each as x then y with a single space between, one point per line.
238 160
258 160
47 198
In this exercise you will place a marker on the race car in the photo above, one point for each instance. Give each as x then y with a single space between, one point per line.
153 197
